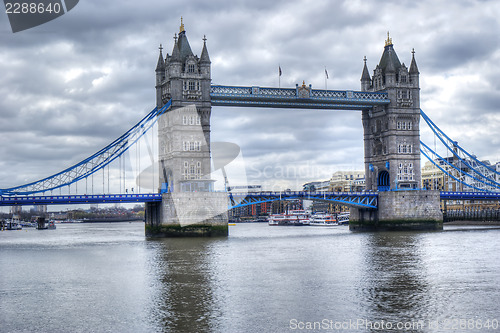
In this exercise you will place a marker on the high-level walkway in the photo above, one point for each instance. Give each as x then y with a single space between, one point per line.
302 97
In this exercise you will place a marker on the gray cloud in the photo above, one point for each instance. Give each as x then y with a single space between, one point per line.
71 86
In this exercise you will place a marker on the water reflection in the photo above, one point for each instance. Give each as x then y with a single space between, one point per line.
394 286
108 278
185 300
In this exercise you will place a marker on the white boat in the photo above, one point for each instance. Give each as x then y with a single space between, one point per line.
12 225
296 217
323 219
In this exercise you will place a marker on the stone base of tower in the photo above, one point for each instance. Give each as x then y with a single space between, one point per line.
400 211
188 214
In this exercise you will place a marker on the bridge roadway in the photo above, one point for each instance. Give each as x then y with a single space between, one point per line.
78 199
355 199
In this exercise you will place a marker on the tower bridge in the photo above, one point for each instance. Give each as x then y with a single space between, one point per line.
185 203
389 102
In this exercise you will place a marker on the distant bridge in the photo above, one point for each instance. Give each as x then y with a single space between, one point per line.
355 199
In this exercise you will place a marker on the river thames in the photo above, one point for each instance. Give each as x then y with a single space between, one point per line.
109 278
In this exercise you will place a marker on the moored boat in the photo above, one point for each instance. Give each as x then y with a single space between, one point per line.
292 217
12 225
323 219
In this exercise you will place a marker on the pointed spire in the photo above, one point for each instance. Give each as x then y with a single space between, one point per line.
389 61
204 58
184 47
176 54
181 28
366 75
390 68
413 66
161 63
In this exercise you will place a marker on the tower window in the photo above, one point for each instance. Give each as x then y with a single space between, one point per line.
190 68
191 85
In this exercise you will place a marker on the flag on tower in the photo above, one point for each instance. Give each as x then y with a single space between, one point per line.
279 70
326 73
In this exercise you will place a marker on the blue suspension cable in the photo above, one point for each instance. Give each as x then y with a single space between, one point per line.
453 166
446 172
434 127
71 174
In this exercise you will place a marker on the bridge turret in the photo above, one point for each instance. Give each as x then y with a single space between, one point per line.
205 65
184 149
391 132
414 73
184 132
160 76
365 78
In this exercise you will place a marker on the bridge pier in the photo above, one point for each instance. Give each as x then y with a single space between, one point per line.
400 211
188 214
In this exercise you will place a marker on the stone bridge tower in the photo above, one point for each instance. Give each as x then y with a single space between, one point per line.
189 205
392 151
184 131
391 132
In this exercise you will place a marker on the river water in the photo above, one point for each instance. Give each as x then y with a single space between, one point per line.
109 278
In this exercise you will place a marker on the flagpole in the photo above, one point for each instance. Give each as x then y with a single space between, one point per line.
326 78
279 75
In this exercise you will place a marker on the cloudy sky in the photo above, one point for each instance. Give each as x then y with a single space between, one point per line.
71 86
